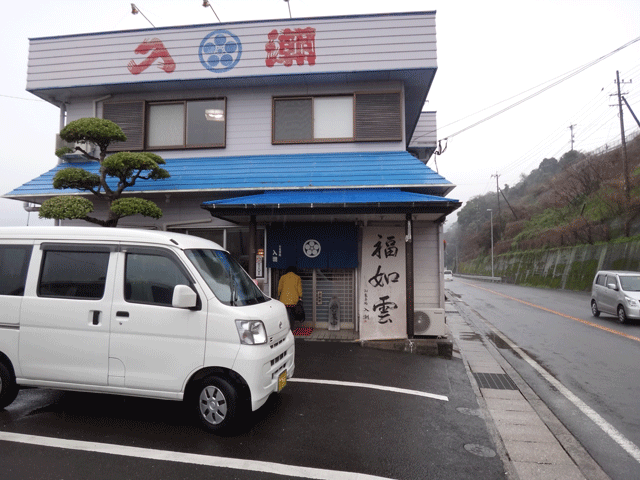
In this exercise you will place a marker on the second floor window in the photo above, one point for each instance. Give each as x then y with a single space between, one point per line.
169 125
198 123
361 117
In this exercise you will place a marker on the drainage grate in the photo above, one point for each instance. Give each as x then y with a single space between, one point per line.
498 381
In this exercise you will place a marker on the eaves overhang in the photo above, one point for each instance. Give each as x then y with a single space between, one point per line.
259 173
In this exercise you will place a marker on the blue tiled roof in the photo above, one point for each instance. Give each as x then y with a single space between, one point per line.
268 172
338 197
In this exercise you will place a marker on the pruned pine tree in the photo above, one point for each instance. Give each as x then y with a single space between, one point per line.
126 167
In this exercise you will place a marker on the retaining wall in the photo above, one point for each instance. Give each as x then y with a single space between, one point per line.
570 268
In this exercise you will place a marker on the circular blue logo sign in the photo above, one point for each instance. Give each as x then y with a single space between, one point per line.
220 51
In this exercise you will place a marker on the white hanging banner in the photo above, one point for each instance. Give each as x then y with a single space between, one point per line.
383 293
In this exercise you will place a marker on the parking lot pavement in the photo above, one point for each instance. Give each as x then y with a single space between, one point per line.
349 412
389 430
352 412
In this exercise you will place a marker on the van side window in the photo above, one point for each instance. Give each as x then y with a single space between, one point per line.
14 263
151 278
601 280
73 274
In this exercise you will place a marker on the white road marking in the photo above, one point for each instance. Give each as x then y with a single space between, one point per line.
628 446
374 387
188 458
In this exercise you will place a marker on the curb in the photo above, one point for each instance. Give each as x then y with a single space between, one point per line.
432 347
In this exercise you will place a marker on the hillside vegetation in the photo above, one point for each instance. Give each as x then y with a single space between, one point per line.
580 199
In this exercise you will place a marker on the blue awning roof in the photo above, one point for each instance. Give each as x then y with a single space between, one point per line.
397 169
334 201
339 197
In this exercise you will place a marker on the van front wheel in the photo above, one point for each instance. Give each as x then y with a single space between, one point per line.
8 387
216 404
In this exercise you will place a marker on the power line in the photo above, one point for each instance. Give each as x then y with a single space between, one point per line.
555 81
22 98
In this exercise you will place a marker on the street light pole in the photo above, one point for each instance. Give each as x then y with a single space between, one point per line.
491 212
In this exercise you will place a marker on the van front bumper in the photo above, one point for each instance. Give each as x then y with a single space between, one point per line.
261 365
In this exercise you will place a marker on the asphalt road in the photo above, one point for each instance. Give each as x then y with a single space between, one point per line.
596 359
329 423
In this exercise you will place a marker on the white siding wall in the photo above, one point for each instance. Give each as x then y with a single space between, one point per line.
80 108
249 119
426 131
428 288
177 213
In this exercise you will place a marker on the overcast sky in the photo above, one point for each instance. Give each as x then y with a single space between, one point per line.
491 54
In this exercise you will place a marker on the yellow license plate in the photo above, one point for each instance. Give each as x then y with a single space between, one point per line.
282 380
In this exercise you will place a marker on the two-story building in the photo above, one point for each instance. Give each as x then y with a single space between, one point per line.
289 142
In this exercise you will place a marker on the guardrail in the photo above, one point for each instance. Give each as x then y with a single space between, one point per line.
480 277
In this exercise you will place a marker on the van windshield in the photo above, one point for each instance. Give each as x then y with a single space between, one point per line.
226 278
630 283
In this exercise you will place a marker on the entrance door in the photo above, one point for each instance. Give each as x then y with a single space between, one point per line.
319 286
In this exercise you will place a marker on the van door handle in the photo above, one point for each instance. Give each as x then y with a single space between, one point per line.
122 314
96 317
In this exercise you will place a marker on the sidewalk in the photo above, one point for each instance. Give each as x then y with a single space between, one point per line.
532 442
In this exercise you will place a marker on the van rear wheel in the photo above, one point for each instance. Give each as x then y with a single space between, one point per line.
594 309
216 404
8 387
622 315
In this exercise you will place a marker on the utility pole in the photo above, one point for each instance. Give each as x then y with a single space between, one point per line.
571 128
627 190
499 211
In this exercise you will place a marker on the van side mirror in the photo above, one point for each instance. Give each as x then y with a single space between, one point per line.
184 297
612 286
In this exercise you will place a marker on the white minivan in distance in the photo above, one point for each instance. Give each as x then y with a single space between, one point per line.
616 293
142 313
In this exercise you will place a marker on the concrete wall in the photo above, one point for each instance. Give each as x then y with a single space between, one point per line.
570 268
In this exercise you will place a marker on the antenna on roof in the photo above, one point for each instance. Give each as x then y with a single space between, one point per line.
135 10
288 5
206 4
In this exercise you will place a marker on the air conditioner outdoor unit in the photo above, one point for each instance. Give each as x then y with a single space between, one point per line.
90 148
429 322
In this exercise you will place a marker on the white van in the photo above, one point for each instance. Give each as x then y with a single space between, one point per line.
616 293
138 312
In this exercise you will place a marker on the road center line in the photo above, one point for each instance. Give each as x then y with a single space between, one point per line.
287 471
372 386
586 322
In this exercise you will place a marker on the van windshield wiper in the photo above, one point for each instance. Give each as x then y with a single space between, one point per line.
234 292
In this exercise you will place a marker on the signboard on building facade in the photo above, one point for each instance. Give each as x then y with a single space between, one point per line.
383 295
239 49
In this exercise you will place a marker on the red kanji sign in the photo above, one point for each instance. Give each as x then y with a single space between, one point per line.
291 44
158 50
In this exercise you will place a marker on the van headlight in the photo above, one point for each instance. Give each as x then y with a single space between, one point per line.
632 302
252 332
